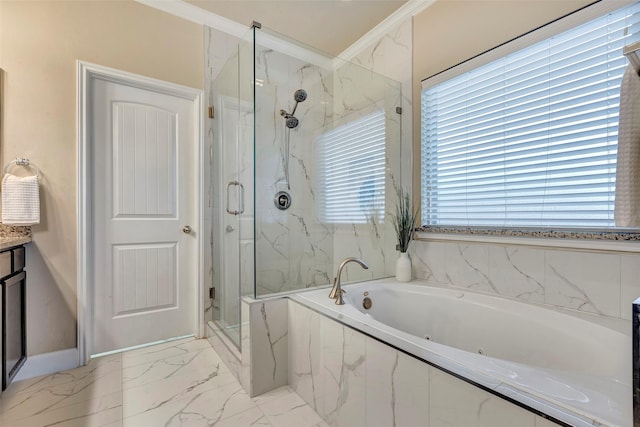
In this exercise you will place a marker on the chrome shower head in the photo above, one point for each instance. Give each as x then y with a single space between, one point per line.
292 122
300 95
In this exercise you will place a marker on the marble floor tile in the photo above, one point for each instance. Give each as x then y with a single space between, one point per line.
96 368
251 418
42 399
172 390
162 351
274 394
203 409
184 364
290 411
95 412
182 383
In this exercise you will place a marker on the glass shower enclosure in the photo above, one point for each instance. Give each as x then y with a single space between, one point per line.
305 158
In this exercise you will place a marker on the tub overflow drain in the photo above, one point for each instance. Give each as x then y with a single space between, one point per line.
367 303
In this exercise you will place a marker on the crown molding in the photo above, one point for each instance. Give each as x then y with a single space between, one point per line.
406 11
198 15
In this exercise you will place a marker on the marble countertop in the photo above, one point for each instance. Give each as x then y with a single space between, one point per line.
10 242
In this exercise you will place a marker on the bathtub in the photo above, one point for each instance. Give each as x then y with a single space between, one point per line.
568 366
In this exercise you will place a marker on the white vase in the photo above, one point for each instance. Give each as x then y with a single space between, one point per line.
403 268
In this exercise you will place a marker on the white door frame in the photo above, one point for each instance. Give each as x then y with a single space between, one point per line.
85 73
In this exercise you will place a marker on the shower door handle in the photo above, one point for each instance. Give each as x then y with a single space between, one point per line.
240 198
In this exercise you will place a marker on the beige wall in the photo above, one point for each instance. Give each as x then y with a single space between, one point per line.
40 42
451 31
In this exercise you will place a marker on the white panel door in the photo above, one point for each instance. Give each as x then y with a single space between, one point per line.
144 182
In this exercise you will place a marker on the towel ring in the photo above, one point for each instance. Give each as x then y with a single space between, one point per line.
22 162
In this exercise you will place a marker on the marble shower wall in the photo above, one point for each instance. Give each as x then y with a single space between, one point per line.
391 56
360 92
351 379
601 283
294 247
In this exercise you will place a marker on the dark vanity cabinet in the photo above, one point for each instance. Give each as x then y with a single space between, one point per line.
13 320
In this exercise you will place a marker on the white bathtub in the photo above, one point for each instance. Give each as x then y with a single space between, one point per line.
564 366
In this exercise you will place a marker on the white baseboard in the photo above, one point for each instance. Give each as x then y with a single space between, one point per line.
48 363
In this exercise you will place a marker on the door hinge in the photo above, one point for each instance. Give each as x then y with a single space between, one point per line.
211 113
212 293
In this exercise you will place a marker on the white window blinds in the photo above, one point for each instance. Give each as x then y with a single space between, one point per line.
530 139
352 175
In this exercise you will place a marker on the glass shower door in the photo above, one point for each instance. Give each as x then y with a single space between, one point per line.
232 222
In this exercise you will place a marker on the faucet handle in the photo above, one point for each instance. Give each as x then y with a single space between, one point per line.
339 299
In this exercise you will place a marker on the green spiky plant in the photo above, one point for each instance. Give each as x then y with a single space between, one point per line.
404 220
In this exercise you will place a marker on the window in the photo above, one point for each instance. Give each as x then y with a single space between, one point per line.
352 161
529 140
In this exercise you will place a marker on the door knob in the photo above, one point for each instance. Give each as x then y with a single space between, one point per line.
186 229
229 228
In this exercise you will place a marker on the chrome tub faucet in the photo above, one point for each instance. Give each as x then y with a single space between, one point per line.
337 291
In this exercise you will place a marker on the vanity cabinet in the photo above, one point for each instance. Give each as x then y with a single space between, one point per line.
13 280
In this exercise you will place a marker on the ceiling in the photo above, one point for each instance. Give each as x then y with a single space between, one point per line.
328 25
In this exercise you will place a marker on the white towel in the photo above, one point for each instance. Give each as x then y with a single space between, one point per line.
20 200
627 207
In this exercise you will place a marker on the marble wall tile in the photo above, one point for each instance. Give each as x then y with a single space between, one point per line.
245 344
268 336
344 353
594 282
369 383
397 388
428 261
391 56
305 357
453 402
293 245
296 249
630 283
517 272
468 267
382 363
583 281
411 389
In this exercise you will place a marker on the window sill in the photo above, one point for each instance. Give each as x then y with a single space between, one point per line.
606 241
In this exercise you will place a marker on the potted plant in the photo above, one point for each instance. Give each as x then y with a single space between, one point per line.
404 223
